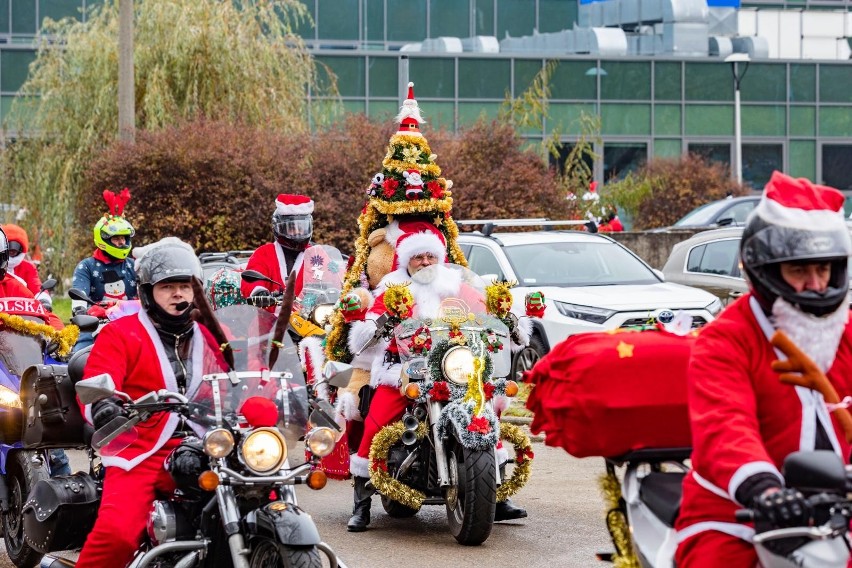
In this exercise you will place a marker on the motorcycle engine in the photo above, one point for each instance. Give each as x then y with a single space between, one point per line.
167 523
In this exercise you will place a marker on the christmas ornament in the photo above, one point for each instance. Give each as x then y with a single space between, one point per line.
398 300
413 184
421 341
498 299
534 304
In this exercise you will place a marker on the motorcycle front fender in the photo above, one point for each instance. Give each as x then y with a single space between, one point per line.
285 522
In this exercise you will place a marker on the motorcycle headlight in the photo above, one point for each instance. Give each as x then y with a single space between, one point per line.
322 313
9 398
218 443
457 364
321 441
264 451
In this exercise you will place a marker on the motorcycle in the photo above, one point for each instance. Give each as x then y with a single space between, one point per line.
114 311
45 294
238 507
651 502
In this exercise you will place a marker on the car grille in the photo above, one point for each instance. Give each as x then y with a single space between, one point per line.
697 321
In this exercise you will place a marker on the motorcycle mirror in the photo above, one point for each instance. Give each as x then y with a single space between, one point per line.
814 471
255 276
323 415
337 374
76 294
85 322
96 388
49 284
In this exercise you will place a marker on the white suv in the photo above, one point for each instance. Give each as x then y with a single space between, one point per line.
590 283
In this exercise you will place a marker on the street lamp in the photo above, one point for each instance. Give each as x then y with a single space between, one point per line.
734 59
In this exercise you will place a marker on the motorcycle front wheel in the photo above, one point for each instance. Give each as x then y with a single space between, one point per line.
22 473
471 496
267 553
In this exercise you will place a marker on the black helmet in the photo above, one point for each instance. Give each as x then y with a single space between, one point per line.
797 222
4 254
292 222
186 463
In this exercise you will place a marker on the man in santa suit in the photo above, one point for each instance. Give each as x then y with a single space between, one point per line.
292 225
12 287
160 347
794 251
419 246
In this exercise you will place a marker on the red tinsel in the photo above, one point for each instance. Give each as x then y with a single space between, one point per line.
480 425
440 392
524 455
390 185
377 465
489 390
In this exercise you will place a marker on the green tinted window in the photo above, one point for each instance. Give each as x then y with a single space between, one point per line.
525 72
764 82
349 72
566 117
406 20
337 19
375 19
667 120
384 110
15 66
709 120
626 120
835 83
483 17
760 160
835 121
354 107
709 82
764 120
305 28
383 77
802 158
515 17
667 81
483 78
802 121
433 77
449 18
571 81
471 112
667 148
556 15
628 81
439 115
4 16
24 17
802 83
58 9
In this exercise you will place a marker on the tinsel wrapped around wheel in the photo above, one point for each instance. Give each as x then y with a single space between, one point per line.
523 460
379 476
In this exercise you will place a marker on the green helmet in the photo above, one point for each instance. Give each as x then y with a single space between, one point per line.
111 226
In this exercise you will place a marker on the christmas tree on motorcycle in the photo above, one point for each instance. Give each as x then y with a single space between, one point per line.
409 187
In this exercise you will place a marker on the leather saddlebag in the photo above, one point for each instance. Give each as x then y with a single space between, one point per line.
60 512
52 417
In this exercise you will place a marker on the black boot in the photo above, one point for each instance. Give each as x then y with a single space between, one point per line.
506 511
361 512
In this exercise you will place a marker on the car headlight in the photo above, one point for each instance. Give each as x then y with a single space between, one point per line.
264 451
457 364
321 441
714 307
9 398
584 313
321 314
218 443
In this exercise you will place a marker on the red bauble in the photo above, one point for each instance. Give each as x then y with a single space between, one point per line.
259 412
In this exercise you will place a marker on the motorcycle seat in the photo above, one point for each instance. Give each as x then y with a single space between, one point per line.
661 492
77 364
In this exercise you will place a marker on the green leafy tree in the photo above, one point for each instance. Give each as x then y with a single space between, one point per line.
238 62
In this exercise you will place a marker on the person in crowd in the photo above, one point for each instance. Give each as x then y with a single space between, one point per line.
794 250
13 287
611 224
19 244
160 347
292 227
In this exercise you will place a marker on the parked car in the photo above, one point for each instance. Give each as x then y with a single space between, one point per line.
732 211
213 261
590 282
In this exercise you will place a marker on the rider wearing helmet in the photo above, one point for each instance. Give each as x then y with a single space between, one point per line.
160 347
292 225
19 244
794 252
12 287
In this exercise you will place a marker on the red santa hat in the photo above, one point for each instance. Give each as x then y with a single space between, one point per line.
801 204
293 204
418 237
409 117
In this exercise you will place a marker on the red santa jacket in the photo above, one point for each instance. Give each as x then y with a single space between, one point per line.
744 420
11 287
269 261
131 352
27 272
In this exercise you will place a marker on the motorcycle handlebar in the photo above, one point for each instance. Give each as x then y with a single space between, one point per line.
746 516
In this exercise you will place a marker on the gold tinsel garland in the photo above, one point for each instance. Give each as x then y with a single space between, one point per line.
381 479
616 523
402 139
523 460
429 169
498 298
66 338
413 207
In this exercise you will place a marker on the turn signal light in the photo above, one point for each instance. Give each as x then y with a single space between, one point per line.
317 479
511 388
208 481
412 390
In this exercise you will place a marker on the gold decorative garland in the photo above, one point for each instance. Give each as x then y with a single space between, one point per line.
616 523
523 460
65 338
381 479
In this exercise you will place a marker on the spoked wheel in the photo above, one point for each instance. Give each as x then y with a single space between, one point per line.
471 496
267 553
527 357
23 472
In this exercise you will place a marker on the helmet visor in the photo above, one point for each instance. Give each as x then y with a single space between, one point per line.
775 243
297 228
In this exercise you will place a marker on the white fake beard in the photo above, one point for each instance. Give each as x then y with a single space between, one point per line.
818 337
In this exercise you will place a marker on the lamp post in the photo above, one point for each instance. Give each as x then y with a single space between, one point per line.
734 59
126 89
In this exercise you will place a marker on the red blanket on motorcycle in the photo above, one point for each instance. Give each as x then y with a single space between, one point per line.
605 394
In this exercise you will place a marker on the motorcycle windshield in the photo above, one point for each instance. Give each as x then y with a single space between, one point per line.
461 312
322 279
17 352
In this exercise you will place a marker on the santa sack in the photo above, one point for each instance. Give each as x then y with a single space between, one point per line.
605 394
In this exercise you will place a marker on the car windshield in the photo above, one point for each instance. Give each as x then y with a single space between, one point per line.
599 263
704 215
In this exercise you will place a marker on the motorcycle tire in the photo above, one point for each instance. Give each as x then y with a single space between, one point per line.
472 499
396 509
22 473
267 553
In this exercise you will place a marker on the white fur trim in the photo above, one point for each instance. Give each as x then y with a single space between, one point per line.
824 219
360 332
418 243
502 455
347 406
300 209
392 233
500 403
740 531
358 466
711 487
383 374
749 469
525 329
310 349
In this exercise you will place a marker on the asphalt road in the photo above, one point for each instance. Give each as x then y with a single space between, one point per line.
565 526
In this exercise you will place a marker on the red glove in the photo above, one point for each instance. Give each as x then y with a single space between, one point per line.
97 311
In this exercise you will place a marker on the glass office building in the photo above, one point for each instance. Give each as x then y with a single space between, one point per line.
796 114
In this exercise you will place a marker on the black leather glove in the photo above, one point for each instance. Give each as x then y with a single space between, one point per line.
783 508
105 410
